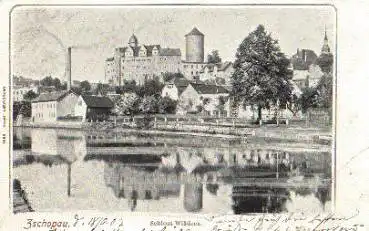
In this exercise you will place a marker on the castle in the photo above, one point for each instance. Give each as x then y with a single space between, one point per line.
140 62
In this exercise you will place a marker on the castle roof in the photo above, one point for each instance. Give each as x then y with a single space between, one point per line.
170 52
195 31
149 48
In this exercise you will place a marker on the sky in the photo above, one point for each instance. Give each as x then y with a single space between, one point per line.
41 35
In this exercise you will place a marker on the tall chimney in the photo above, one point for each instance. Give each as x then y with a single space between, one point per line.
69 68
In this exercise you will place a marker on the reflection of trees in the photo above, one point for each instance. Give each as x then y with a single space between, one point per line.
324 195
258 199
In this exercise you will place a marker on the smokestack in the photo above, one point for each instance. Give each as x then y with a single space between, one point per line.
69 68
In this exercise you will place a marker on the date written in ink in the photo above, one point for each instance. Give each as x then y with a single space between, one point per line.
98 223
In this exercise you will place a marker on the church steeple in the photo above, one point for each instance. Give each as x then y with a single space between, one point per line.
325 48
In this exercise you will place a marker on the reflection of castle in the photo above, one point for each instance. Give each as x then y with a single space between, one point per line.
136 184
148 184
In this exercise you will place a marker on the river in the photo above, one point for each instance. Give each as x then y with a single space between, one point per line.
66 170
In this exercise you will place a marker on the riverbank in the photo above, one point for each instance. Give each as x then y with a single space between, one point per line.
270 133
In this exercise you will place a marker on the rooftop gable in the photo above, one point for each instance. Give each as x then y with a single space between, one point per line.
195 31
52 96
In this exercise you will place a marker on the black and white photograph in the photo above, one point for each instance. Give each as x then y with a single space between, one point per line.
173 108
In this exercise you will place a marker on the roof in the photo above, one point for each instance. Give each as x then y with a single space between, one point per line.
208 89
121 49
195 31
97 101
220 66
133 39
52 96
149 48
181 82
170 52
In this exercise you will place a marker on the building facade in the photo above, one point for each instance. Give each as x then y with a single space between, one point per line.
139 62
49 107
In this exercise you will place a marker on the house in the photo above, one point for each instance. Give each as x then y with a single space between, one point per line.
204 98
93 108
20 91
307 78
52 106
174 88
217 71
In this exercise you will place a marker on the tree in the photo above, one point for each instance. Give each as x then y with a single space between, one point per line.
308 99
129 86
101 89
57 84
261 76
30 95
85 86
214 57
167 105
149 105
325 91
221 102
47 81
126 104
151 87
325 62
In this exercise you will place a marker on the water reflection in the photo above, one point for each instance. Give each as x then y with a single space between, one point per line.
143 169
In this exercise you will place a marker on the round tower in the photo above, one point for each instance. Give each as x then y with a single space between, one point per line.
195 46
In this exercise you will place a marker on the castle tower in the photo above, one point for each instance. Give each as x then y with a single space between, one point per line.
133 41
195 46
325 48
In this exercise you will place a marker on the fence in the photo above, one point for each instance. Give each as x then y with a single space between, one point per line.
318 118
